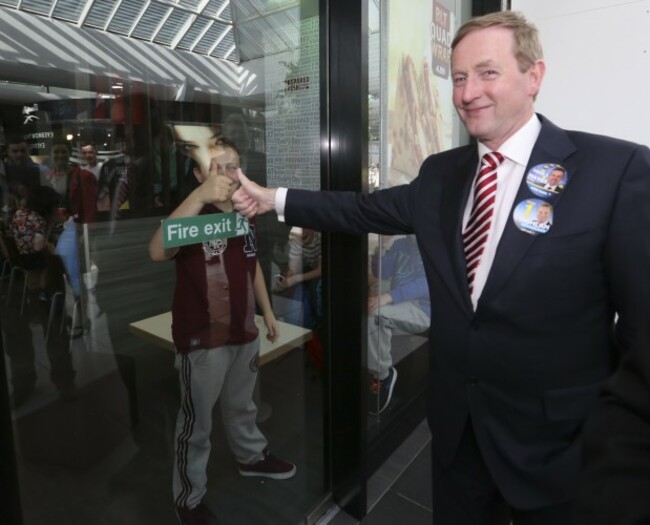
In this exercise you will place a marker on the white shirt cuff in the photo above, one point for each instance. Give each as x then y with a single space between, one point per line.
280 201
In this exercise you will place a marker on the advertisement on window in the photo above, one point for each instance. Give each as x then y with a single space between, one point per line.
420 110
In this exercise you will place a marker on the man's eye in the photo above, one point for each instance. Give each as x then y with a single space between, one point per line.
458 81
230 168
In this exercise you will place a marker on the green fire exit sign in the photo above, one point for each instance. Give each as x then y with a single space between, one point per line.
193 230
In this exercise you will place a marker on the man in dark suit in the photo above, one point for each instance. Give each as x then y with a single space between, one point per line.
510 388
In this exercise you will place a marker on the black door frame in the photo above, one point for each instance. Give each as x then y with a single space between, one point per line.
344 166
344 153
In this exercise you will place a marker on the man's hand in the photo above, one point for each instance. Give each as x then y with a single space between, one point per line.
251 198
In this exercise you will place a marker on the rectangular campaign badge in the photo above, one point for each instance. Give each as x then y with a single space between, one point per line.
202 228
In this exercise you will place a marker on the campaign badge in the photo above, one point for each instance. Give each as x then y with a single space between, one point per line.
533 216
546 180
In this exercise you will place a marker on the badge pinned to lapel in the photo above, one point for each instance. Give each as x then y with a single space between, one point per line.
546 180
533 216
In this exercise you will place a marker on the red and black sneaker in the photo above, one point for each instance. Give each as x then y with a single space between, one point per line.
269 467
381 392
199 515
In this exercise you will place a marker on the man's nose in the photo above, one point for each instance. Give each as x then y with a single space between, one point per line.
470 90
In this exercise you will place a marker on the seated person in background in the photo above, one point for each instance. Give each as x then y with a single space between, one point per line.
30 229
213 328
403 309
300 281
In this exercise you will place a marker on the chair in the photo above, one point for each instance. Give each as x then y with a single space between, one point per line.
54 300
76 307
6 265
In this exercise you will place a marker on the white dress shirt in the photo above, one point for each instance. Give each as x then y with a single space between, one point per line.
516 150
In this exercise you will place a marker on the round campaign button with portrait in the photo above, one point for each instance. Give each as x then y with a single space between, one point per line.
533 216
546 180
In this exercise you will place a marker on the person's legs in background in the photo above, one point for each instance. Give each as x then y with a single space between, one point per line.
383 324
19 348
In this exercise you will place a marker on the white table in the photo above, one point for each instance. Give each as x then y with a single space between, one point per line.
158 330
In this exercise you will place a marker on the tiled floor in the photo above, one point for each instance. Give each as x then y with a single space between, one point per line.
400 491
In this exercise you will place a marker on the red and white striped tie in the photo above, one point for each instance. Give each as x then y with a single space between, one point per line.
478 225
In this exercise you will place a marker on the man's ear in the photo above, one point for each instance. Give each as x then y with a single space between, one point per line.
536 76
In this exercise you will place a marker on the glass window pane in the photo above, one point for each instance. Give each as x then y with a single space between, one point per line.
410 117
117 361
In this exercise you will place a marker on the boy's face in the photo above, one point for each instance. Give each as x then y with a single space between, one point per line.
226 162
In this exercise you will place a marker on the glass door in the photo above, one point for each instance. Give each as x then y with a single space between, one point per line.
102 138
410 116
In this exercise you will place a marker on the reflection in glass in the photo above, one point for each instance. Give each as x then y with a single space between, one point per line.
94 406
398 304
410 117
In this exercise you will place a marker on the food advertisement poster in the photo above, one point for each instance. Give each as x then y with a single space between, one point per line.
420 110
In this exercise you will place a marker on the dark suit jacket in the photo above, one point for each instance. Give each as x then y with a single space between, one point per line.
615 483
526 380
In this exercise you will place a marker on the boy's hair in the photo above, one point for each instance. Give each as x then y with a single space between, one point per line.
227 143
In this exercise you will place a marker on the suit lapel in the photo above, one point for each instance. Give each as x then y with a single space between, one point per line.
552 146
456 188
